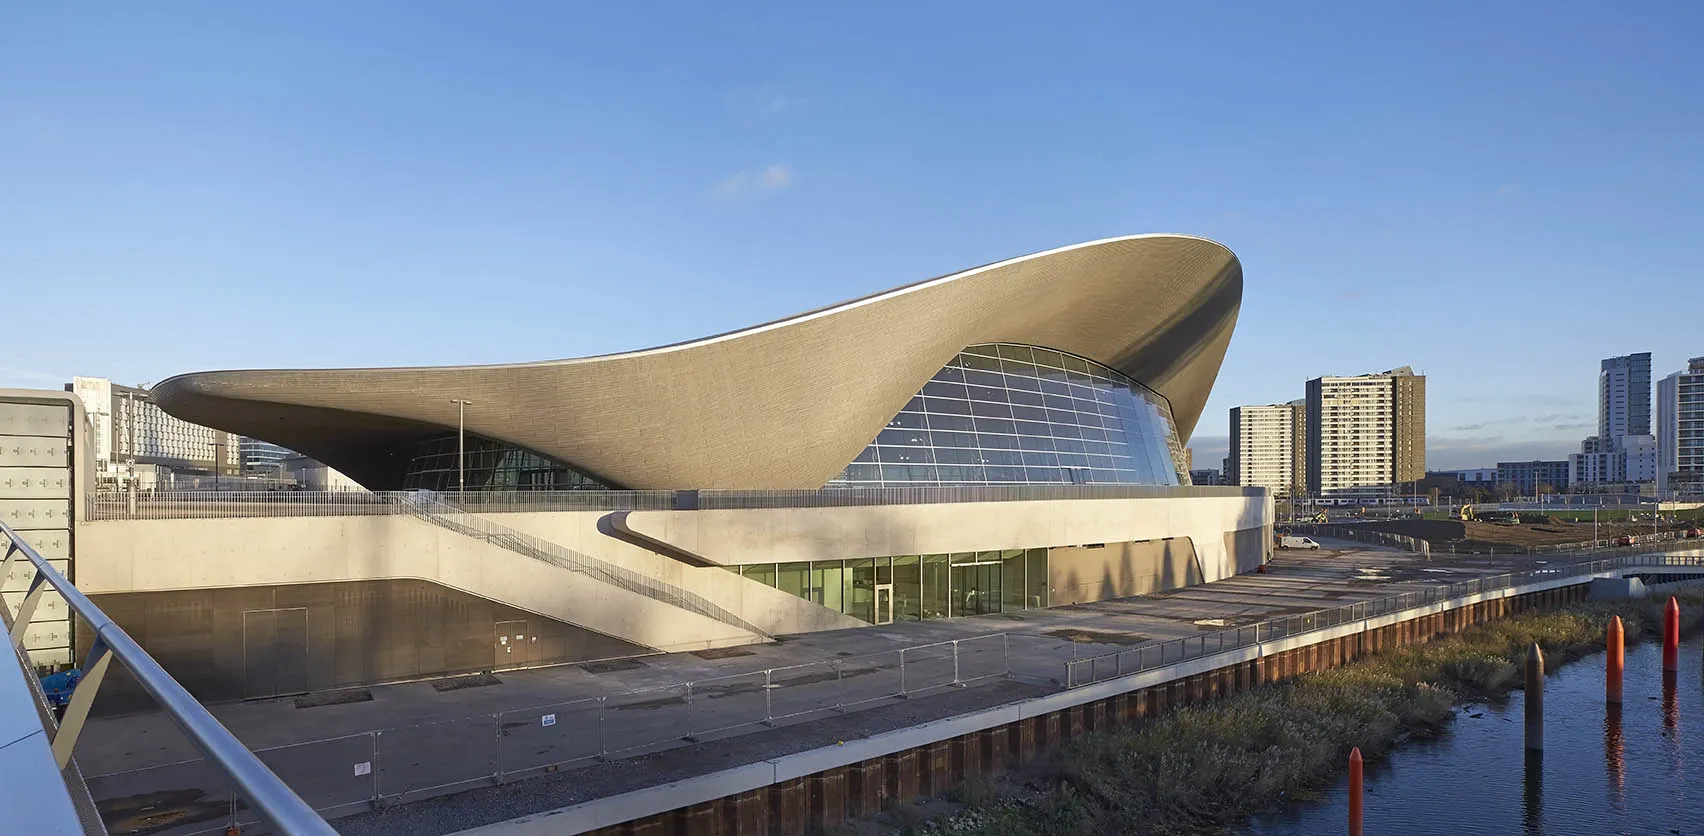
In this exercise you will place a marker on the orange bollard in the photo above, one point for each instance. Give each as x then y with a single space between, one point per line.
1671 636
1355 791
1617 661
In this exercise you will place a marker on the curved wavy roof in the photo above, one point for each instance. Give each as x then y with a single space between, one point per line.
776 406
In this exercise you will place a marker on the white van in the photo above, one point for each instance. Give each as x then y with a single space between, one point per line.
1291 541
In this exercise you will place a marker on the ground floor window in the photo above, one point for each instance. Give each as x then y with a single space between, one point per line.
914 587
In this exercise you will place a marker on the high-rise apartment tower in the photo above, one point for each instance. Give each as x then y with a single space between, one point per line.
1366 434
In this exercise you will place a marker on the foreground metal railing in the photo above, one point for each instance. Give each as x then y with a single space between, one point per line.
123 505
424 507
1092 669
268 796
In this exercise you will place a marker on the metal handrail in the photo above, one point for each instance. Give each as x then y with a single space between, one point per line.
121 505
269 797
1178 650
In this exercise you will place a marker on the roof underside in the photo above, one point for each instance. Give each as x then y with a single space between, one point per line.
779 406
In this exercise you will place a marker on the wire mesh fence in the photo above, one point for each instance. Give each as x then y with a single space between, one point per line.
1089 670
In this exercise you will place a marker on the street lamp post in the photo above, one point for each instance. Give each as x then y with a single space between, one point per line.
461 442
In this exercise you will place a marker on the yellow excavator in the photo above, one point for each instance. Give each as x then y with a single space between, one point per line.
1466 514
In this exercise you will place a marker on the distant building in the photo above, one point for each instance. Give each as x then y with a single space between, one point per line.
262 458
315 476
1680 431
1365 434
1527 477
128 428
1455 482
1486 476
1623 451
1206 477
1624 396
1267 447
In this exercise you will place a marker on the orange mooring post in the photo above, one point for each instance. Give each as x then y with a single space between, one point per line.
1671 636
1617 661
1355 791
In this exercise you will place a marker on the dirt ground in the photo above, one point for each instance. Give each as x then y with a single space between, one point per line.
1475 534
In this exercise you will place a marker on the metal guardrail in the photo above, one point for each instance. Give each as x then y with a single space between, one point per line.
407 763
1362 535
1350 531
423 506
123 505
276 804
1092 669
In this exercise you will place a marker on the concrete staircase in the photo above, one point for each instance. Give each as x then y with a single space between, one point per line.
424 507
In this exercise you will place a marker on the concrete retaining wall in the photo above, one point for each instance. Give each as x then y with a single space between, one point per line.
157 555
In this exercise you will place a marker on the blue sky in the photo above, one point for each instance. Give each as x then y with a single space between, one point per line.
1497 194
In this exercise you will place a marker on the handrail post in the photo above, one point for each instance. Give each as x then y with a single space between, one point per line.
902 694
82 698
26 608
603 733
689 735
956 682
768 704
497 744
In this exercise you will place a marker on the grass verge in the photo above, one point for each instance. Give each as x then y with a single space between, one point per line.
1202 768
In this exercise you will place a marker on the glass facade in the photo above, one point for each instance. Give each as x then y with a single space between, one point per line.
914 587
491 466
1003 414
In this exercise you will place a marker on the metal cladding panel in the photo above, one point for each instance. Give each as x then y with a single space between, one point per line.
779 406
47 635
33 450
52 544
18 578
37 419
35 483
37 451
36 514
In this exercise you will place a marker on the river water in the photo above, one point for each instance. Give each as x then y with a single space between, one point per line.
1641 773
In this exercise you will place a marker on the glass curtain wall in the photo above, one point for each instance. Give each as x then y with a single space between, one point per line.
490 466
915 587
1003 414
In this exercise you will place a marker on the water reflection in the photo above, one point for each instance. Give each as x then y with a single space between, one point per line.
1671 724
1532 797
1615 757
1626 773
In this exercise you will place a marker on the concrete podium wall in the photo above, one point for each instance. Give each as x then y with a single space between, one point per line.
1100 549
163 555
782 535
251 642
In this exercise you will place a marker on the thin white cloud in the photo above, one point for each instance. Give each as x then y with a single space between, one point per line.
776 177
768 180
30 378
767 100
